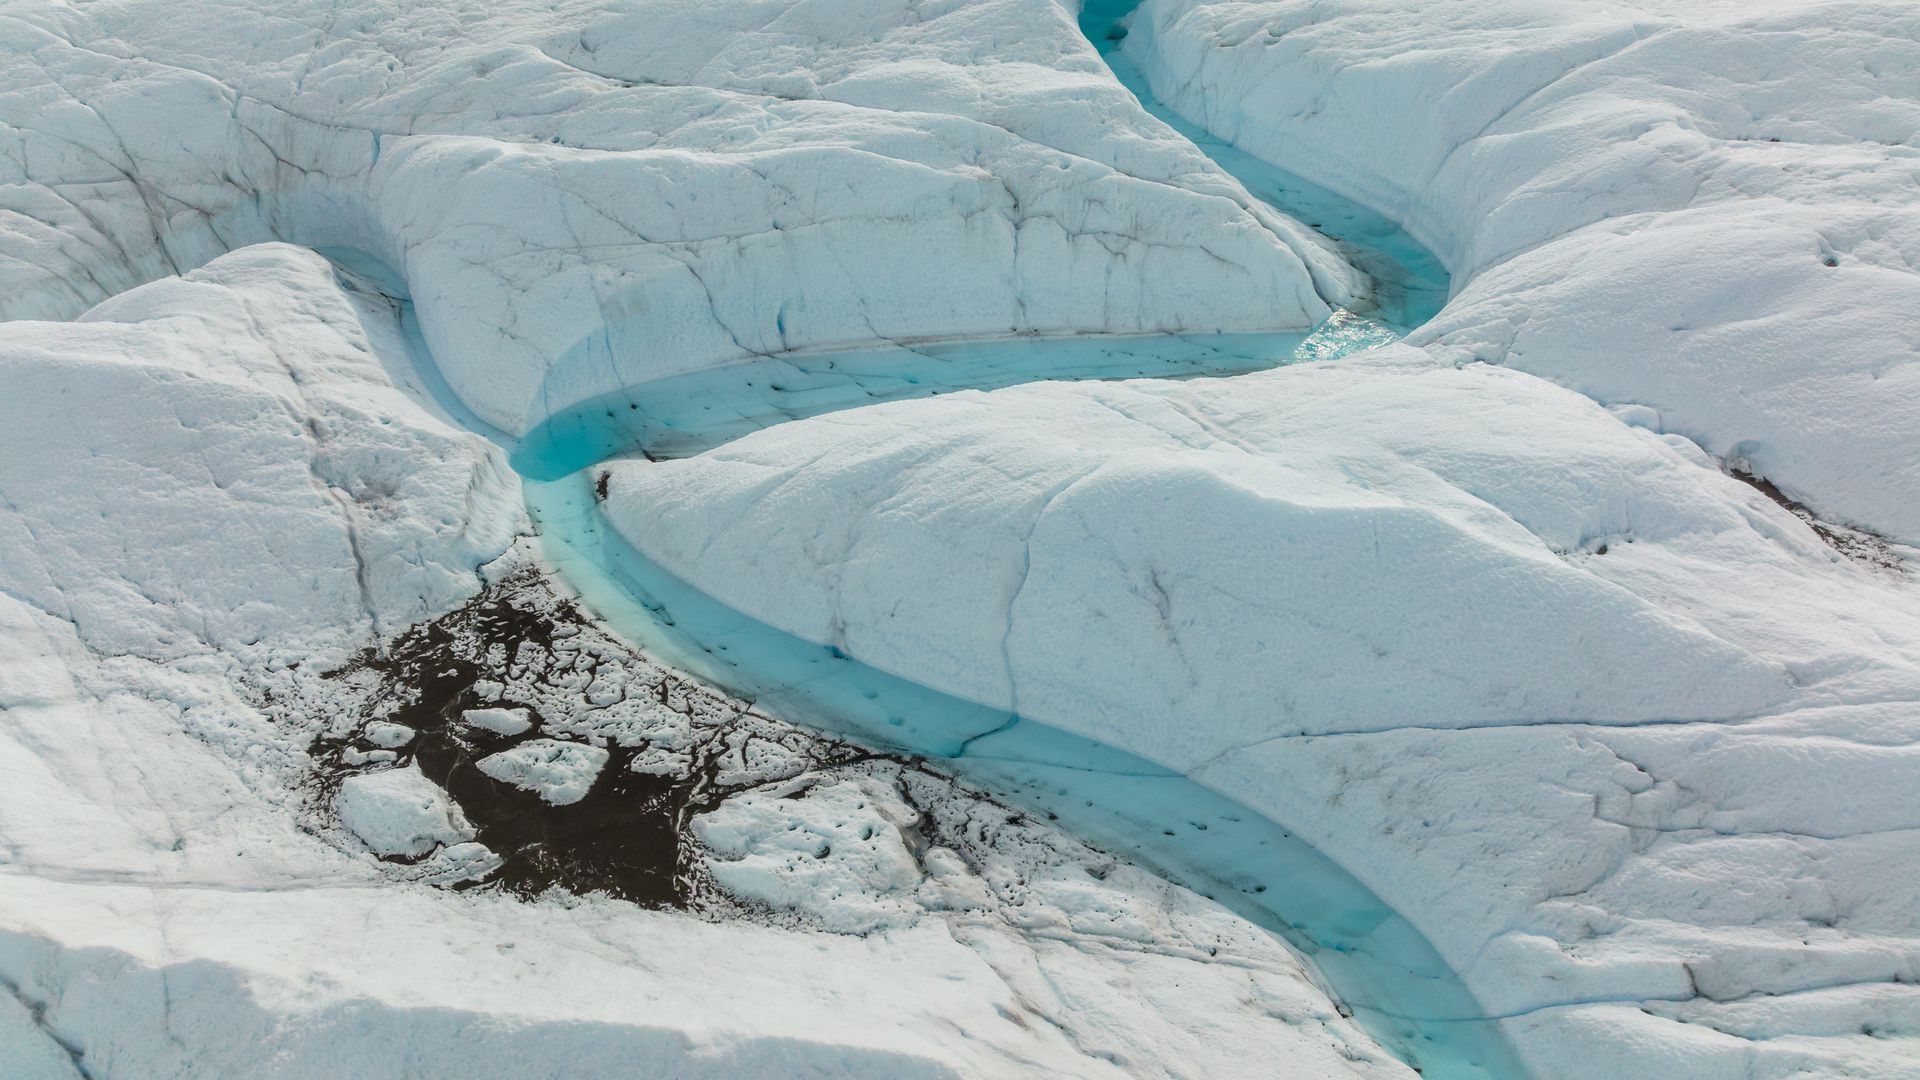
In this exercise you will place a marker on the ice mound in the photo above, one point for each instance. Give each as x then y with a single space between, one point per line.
498 721
558 771
835 851
399 812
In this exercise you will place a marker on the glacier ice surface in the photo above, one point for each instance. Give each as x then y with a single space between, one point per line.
1566 652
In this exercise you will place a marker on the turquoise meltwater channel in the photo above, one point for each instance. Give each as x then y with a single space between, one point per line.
1371 958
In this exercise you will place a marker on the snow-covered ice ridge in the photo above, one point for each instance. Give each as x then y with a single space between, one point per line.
316 765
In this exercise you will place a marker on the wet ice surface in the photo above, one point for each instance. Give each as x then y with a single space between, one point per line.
686 414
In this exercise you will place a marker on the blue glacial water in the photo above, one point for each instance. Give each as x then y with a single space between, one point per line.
1373 960
685 414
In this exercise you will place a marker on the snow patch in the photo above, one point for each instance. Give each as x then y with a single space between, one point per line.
398 812
387 735
832 850
498 721
559 772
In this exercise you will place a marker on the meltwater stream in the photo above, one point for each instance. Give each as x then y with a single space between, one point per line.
1375 961
1410 283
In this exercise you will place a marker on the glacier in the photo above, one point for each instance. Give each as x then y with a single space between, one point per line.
925 537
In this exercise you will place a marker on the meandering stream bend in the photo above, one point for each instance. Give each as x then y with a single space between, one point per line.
1375 961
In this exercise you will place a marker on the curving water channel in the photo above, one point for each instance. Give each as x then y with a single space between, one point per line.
1410 282
1372 958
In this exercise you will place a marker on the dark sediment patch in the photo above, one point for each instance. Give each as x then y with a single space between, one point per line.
1855 543
675 749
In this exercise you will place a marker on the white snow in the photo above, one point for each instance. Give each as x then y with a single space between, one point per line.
257 390
557 771
498 721
835 851
399 812
317 983
387 735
